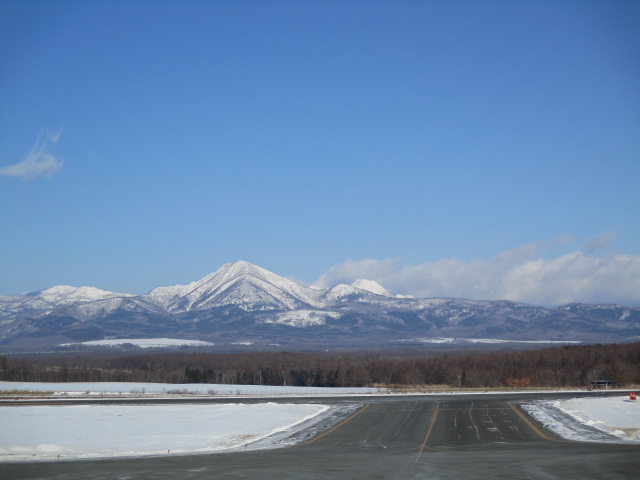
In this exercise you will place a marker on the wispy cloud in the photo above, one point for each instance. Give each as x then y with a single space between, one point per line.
599 241
39 161
561 240
520 274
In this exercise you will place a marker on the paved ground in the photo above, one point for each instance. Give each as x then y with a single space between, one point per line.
445 437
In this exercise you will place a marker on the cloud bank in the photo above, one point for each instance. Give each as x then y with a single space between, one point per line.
39 161
520 274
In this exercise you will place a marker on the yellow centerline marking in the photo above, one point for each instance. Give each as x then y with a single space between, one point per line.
434 415
324 434
531 425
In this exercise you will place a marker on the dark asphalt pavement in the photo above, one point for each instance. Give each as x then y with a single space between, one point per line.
412 437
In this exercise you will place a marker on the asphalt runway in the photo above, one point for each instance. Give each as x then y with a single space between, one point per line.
409 437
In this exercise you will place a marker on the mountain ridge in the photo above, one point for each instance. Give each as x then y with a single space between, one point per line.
241 300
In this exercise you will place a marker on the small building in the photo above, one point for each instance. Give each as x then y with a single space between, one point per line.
603 385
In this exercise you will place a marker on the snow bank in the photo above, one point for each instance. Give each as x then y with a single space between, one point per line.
590 419
133 388
99 431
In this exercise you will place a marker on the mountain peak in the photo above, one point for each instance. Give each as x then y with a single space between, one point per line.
242 267
58 290
240 283
232 271
371 286
68 293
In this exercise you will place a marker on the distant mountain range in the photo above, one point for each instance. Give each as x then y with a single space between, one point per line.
243 304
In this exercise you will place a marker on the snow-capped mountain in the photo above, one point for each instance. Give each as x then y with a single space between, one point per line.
244 303
242 284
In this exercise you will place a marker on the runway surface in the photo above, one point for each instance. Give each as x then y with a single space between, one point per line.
418 437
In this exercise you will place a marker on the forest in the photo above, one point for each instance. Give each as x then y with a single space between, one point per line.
561 366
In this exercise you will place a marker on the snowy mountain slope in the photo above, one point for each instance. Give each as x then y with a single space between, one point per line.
60 295
342 293
242 284
298 318
56 297
65 294
371 286
241 300
101 308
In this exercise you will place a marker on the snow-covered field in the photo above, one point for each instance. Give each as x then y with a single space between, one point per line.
590 419
143 343
98 431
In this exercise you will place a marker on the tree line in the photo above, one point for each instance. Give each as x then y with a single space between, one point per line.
562 366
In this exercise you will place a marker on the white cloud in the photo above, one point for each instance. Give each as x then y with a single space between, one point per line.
520 274
39 161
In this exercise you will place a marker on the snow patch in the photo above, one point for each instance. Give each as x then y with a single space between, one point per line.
143 343
300 318
587 419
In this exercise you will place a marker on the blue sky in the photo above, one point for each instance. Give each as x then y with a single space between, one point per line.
483 149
